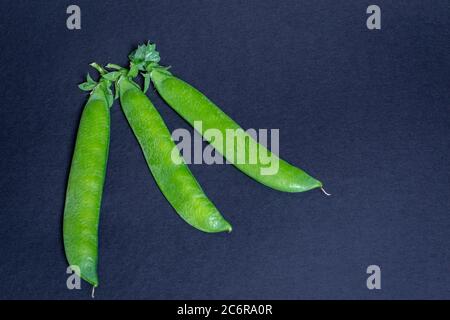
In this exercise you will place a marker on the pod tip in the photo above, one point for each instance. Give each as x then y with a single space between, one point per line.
326 193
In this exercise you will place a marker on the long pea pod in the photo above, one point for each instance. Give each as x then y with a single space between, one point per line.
85 183
194 107
168 168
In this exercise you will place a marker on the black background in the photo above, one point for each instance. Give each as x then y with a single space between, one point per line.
367 112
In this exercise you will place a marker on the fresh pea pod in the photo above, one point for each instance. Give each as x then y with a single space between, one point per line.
194 107
168 167
86 180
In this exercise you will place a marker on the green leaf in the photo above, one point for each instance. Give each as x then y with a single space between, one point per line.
134 70
150 54
146 81
87 86
112 76
89 79
116 89
114 66
98 67
166 70
151 66
145 53
140 52
109 96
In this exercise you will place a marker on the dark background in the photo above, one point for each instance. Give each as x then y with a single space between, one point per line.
367 112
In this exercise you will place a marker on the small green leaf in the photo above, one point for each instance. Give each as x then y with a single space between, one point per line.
151 54
134 70
112 76
165 70
114 66
145 54
116 89
151 66
146 81
98 67
86 86
140 52
89 79
109 96
132 57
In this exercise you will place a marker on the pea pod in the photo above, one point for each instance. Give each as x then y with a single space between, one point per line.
85 184
194 107
167 167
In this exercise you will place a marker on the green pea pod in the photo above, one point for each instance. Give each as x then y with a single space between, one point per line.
193 106
85 185
165 162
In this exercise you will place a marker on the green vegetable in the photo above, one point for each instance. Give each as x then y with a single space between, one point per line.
168 168
86 180
179 186
193 106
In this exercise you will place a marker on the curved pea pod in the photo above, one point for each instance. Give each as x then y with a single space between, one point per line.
166 164
85 187
194 107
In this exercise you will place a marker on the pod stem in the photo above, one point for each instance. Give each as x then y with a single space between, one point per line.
326 193
102 86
